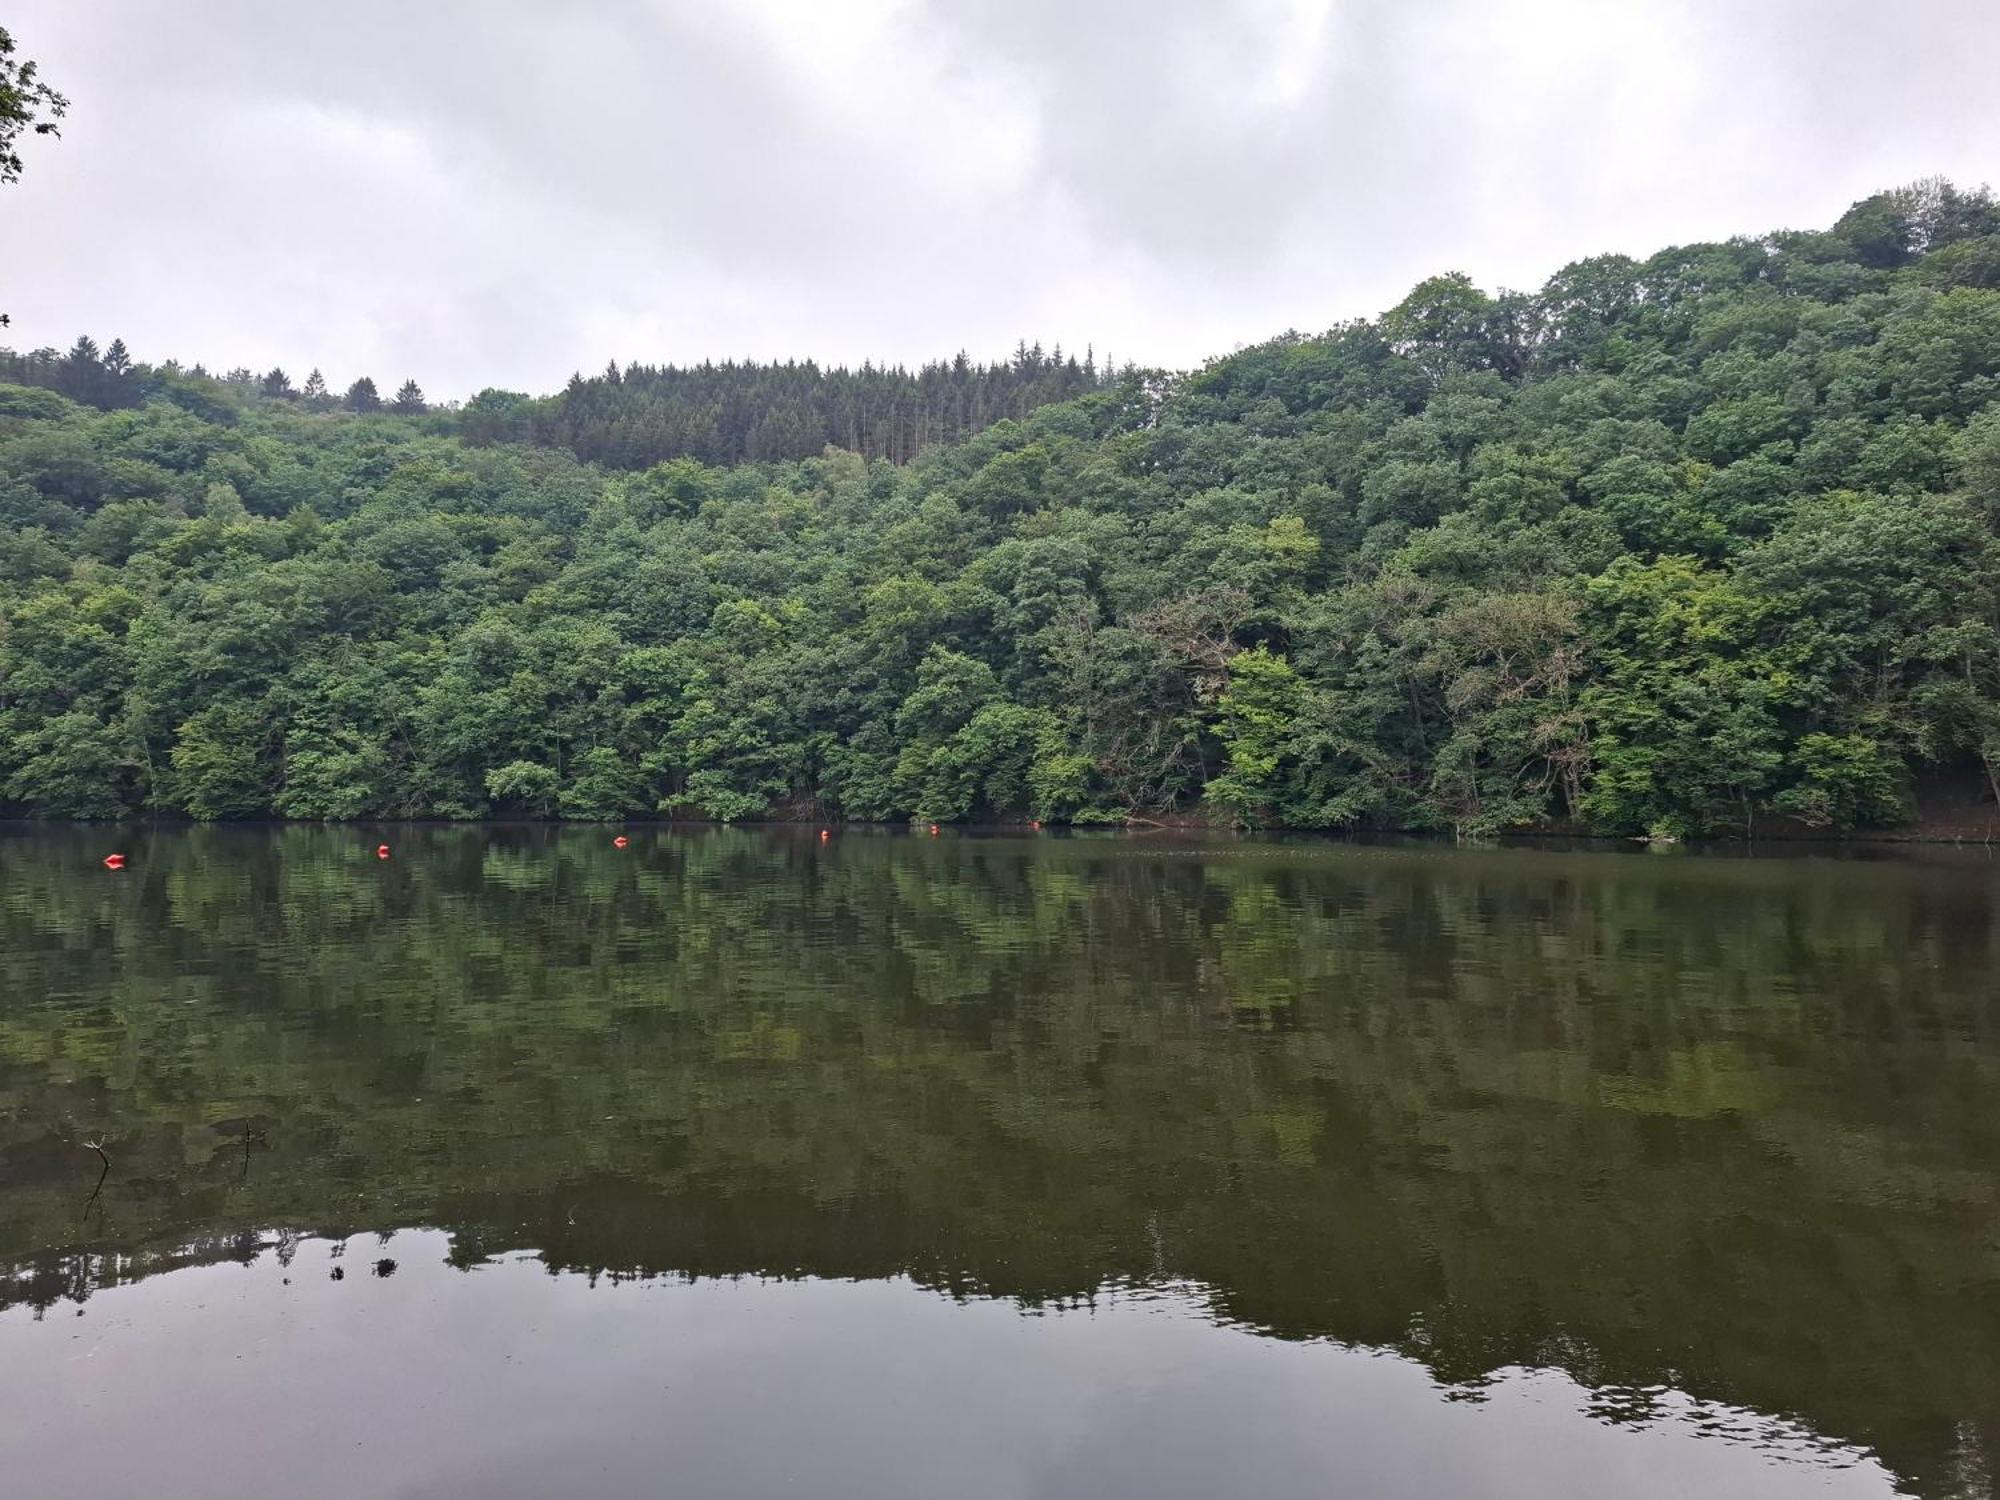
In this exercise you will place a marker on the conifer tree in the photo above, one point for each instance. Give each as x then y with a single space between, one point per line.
81 376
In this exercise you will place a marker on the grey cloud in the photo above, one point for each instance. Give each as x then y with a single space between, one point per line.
498 191
1157 120
661 119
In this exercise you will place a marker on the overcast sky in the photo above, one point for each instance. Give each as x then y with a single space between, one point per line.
497 192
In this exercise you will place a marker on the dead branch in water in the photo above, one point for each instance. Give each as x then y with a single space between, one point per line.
103 1173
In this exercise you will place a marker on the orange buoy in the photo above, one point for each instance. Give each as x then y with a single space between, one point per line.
934 830
1036 824
114 861
381 851
620 842
824 835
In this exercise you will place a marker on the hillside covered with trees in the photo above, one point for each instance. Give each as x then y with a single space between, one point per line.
1668 547
635 417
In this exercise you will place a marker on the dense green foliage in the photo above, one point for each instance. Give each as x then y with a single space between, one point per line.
1665 547
642 415
735 413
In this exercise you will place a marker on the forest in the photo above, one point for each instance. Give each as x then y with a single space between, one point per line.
1687 546
641 415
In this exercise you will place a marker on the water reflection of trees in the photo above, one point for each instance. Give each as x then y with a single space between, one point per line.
1723 1124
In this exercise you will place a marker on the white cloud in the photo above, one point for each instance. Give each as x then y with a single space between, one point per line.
493 191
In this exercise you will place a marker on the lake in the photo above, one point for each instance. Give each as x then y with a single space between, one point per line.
741 1162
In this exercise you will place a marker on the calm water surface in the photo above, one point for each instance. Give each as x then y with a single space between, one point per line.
735 1163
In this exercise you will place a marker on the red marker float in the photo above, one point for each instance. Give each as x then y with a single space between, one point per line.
1036 825
824 835
934 830
114 861
381 851
620 842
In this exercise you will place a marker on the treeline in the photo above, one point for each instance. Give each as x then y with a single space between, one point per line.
631 418
110 380
1668 547
750 413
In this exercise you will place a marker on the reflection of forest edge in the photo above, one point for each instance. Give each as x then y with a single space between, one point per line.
1721 1124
